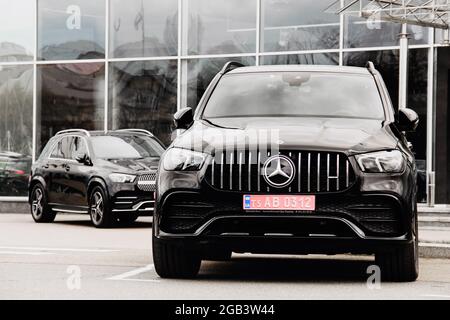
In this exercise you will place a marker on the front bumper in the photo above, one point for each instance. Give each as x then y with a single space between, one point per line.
375 214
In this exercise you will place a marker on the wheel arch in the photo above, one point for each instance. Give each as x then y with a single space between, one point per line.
35 180
96 181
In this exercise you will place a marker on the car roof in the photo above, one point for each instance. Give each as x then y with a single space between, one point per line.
116 132
300 68
97 133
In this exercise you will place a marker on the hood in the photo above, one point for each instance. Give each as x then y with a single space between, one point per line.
131 165
348 135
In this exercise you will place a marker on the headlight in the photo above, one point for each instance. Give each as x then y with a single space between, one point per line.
382 161
183 160
121 177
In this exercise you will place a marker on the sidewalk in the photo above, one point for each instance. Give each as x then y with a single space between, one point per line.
434 242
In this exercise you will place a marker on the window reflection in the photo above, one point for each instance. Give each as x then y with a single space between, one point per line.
69 96
71 29
199 75
385 61
221 26
360 32
17 30
312 58
144 28
441 137
417 100
16 122
298 25
143 94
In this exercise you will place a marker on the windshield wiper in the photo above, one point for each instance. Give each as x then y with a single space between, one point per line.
216 125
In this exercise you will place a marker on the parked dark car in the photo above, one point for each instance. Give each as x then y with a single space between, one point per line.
337 178
110 175
14 173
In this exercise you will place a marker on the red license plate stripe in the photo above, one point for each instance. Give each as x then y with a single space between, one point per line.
279 202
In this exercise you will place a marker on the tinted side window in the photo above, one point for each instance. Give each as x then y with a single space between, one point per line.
57 153
78 147
62 149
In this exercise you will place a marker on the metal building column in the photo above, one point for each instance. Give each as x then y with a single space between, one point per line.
403 68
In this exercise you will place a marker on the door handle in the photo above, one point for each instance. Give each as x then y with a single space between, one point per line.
67 167
45 166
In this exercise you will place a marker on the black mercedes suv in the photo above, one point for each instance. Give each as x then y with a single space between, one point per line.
110 175
289 160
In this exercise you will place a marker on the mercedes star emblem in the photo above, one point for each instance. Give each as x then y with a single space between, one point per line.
279 171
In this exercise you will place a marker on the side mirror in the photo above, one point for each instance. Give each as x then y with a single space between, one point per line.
183 118
408 120
84 159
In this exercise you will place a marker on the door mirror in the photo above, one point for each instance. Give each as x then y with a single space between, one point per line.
408 120
84 159
183 118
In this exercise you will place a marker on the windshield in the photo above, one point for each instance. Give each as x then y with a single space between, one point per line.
126 147
295 94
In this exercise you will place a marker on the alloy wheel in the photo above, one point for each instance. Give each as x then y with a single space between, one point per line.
36 205
97 207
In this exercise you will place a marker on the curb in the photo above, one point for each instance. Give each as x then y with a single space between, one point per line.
434 250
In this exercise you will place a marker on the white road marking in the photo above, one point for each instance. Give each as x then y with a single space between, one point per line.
126 275
58 249
30 253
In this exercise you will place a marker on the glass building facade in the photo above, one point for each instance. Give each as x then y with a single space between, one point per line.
111 64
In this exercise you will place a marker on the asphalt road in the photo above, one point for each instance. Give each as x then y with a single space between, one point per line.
70 259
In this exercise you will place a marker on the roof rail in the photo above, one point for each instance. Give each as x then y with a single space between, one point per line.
74 131
371 67
230 65
137 130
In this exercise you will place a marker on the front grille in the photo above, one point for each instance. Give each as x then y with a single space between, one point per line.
147 182
315 172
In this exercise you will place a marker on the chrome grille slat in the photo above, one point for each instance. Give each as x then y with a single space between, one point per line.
347 177
328 172
212 170
259 171
240 171
337 172
299 168
249 171
221 170
318 172
231 170
268 156
290 156
309 172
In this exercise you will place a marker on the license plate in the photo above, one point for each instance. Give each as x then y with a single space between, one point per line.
279 202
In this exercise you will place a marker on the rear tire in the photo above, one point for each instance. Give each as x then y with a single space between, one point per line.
99 210
401 265
172 261
40 210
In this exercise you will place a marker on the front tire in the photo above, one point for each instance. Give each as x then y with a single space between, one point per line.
40 210
401 265
101 215
172 261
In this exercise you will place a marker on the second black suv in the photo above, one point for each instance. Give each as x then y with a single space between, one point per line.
110 175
